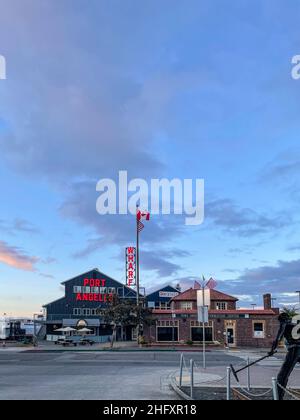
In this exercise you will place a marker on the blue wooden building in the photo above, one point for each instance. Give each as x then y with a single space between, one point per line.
160 299
84 294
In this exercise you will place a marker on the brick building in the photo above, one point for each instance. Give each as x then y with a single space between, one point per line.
227 326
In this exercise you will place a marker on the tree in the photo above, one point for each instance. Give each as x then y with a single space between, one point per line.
124 313
291 312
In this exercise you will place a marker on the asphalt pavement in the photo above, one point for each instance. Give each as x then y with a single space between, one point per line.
94 375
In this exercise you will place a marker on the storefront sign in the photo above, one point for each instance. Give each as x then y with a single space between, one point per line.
163 294
130 266
93 290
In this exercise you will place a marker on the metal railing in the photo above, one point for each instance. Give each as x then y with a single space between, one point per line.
231 389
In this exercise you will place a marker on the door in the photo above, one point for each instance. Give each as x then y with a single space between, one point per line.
230 337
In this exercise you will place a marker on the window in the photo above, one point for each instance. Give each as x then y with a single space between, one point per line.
259 329
103 290
167 323
186 306
86 312
77 289
151 305
197 334
167 334
111 290
95 289
86 289
164 305
76 311
167 330
221 306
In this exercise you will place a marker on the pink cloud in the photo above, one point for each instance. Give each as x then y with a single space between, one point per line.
16 258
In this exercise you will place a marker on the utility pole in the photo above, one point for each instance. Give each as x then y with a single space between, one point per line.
298 292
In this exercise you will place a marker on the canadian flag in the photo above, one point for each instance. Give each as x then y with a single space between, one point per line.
142 215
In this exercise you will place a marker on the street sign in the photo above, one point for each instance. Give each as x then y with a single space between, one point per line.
203 314
206 294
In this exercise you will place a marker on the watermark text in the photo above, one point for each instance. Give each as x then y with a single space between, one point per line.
2 67
296 67
160 196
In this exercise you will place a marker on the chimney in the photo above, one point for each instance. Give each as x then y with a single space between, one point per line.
268 301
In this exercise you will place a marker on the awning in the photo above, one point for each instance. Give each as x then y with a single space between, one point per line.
73 322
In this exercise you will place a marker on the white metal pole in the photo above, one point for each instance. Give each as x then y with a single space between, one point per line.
248 375
203 325
275 389
181 370
228 384
192 377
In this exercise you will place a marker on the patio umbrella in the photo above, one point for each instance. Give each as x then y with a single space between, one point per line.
84 330
66 329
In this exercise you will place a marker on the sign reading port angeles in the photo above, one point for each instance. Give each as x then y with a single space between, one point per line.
94 290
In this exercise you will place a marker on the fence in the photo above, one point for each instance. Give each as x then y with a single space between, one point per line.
236 391
96 339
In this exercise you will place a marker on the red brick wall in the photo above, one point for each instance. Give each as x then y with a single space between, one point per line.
231 306
244 330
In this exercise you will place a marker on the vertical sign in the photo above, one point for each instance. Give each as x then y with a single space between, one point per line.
130 266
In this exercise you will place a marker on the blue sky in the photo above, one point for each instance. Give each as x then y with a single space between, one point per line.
197 89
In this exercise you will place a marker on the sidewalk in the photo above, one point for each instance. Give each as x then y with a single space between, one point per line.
133 346
211 383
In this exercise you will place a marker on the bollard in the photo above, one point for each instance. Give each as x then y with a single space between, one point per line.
248 375
228 382
181 370
192 377
275 389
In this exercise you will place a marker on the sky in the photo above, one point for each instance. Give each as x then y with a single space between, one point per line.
198 89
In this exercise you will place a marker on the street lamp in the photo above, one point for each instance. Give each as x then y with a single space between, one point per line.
298 292
273 301
253 305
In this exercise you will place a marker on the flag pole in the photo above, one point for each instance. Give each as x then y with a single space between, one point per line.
137 260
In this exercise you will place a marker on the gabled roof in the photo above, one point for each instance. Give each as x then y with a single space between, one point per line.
191 294
127 294
82 274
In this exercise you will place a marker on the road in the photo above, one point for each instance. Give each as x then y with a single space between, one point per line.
94 375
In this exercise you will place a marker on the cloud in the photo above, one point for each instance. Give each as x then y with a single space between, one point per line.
285 167
90 112
284 277
17 226
80 206
244 221
294 248
159 261
155 261
46 276
16 258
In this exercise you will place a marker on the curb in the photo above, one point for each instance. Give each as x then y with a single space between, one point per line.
178 391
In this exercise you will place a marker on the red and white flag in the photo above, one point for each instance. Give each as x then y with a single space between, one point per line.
143 215
197 285
211 284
